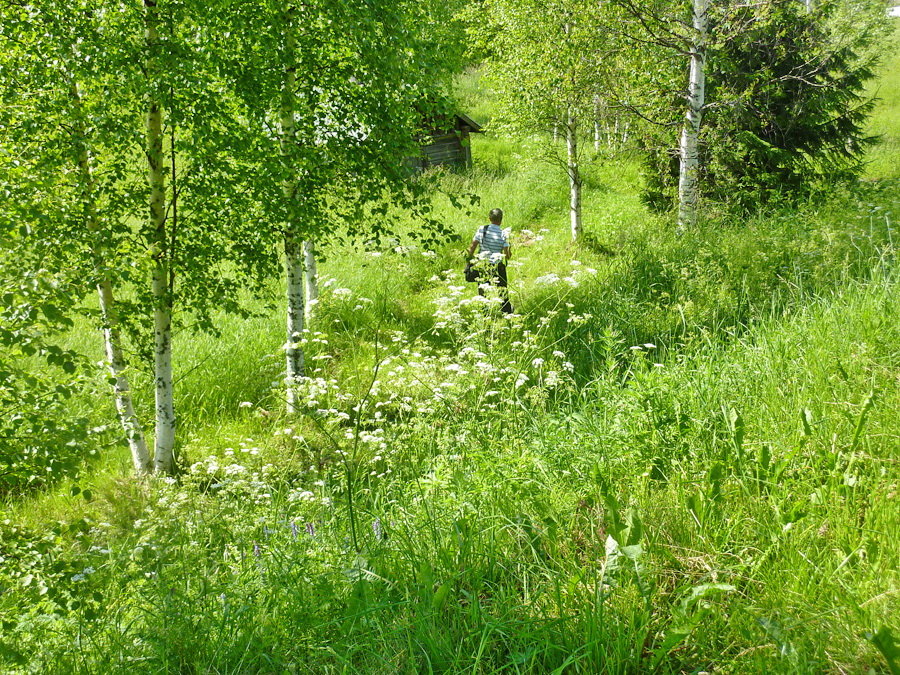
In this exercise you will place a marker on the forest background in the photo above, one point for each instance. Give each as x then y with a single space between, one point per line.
679 456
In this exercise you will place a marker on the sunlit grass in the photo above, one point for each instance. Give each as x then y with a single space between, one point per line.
885 123
707 482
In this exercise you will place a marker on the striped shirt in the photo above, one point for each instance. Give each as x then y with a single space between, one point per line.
493 244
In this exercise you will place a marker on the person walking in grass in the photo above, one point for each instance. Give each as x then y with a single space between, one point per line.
493 248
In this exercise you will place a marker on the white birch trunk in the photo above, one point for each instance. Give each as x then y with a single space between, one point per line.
294 273
688 180
164 447
293 248
311 274
597 133
574 176
115 358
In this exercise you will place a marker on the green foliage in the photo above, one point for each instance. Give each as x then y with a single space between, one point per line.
791 110
40 440
545 61
680 457
786 109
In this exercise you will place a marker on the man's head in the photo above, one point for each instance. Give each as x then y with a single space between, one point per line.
496 216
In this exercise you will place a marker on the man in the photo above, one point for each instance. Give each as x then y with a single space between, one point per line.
493 246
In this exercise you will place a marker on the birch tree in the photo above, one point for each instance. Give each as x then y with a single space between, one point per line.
328 135
658 31
550 65
688 150
99 92
293 244
158 236
47 54
112 335
203 245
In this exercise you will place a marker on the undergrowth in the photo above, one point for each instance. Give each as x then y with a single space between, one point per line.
679 456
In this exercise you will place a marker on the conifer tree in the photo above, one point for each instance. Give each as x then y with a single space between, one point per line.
790 103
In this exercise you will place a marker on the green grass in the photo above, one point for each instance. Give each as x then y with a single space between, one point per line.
493 529
885 123
698 474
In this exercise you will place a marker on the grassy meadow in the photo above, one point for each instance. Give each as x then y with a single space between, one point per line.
680 456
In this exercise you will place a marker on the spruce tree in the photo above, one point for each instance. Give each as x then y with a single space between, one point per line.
789 107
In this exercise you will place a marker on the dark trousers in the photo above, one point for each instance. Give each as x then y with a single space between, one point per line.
498 278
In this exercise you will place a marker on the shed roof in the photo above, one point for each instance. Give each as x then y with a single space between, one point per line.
445 124
474 127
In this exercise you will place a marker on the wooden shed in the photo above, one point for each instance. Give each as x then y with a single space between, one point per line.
447 143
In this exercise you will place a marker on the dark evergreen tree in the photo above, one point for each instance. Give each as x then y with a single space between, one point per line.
786 105
789 106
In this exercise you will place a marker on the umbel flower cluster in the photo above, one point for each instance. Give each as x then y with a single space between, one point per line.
473 358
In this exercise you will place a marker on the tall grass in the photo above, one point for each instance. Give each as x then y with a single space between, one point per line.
680 457
717 512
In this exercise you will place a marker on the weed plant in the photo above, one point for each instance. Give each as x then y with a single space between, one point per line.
484 513
679 456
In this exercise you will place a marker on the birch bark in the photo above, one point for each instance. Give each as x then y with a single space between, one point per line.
131 425
574 175
293 248
294 267
311 274
164 447
688 180
115 357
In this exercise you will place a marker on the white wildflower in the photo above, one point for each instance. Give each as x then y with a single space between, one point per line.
547 279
